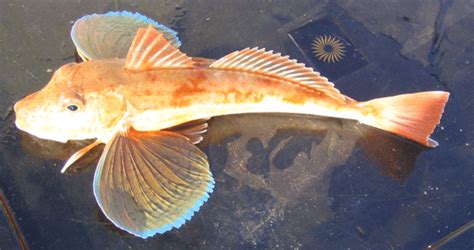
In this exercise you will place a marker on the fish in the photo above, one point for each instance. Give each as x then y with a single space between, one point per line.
149 103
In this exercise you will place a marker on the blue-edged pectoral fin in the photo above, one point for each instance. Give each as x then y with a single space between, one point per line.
151 182
109 35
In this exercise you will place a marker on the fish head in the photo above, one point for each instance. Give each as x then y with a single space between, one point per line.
60 111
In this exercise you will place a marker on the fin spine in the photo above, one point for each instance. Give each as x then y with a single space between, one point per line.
151 50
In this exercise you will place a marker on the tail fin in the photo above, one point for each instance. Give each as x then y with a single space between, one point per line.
413 116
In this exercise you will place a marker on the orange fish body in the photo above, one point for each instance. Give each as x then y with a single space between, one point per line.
151 108
158 99
162 98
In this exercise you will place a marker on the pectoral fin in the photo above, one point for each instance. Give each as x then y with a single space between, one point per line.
151 182
109 35
76 156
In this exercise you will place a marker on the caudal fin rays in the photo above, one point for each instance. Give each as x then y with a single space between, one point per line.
413 116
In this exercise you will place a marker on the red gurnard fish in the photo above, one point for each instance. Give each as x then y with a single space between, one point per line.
151 178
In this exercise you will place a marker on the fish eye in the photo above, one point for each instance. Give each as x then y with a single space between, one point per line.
72 107
72 103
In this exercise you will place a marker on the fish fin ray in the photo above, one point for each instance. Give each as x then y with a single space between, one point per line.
151 182
200 62
263 62
151 50
109 35
192 130
413 116
79 154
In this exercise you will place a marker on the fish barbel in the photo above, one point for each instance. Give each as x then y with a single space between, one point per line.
151 178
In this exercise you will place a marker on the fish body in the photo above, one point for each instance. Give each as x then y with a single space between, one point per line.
151 107
158 99
162 98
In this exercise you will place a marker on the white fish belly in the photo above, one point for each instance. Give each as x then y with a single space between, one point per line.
150 120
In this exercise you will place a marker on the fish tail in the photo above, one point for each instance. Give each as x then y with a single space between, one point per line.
413 116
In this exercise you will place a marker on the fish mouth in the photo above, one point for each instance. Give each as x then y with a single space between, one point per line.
18 122
16 107
22 125
25 125
19 125
20 114
43 136
23 113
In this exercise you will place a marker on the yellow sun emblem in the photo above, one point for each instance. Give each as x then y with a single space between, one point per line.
328 48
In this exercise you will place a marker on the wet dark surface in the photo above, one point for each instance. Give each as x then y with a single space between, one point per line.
281 181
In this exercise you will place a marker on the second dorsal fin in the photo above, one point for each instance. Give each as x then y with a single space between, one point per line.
151 50
267 63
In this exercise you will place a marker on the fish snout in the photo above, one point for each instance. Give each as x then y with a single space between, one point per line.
27 100
19 114
22 108
20 105
17 106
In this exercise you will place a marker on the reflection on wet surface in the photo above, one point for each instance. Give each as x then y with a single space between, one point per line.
281 180
278 177
274 177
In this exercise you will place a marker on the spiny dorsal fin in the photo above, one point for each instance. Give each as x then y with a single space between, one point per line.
151 50
267 63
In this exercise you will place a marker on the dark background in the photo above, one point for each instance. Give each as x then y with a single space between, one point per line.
281 181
